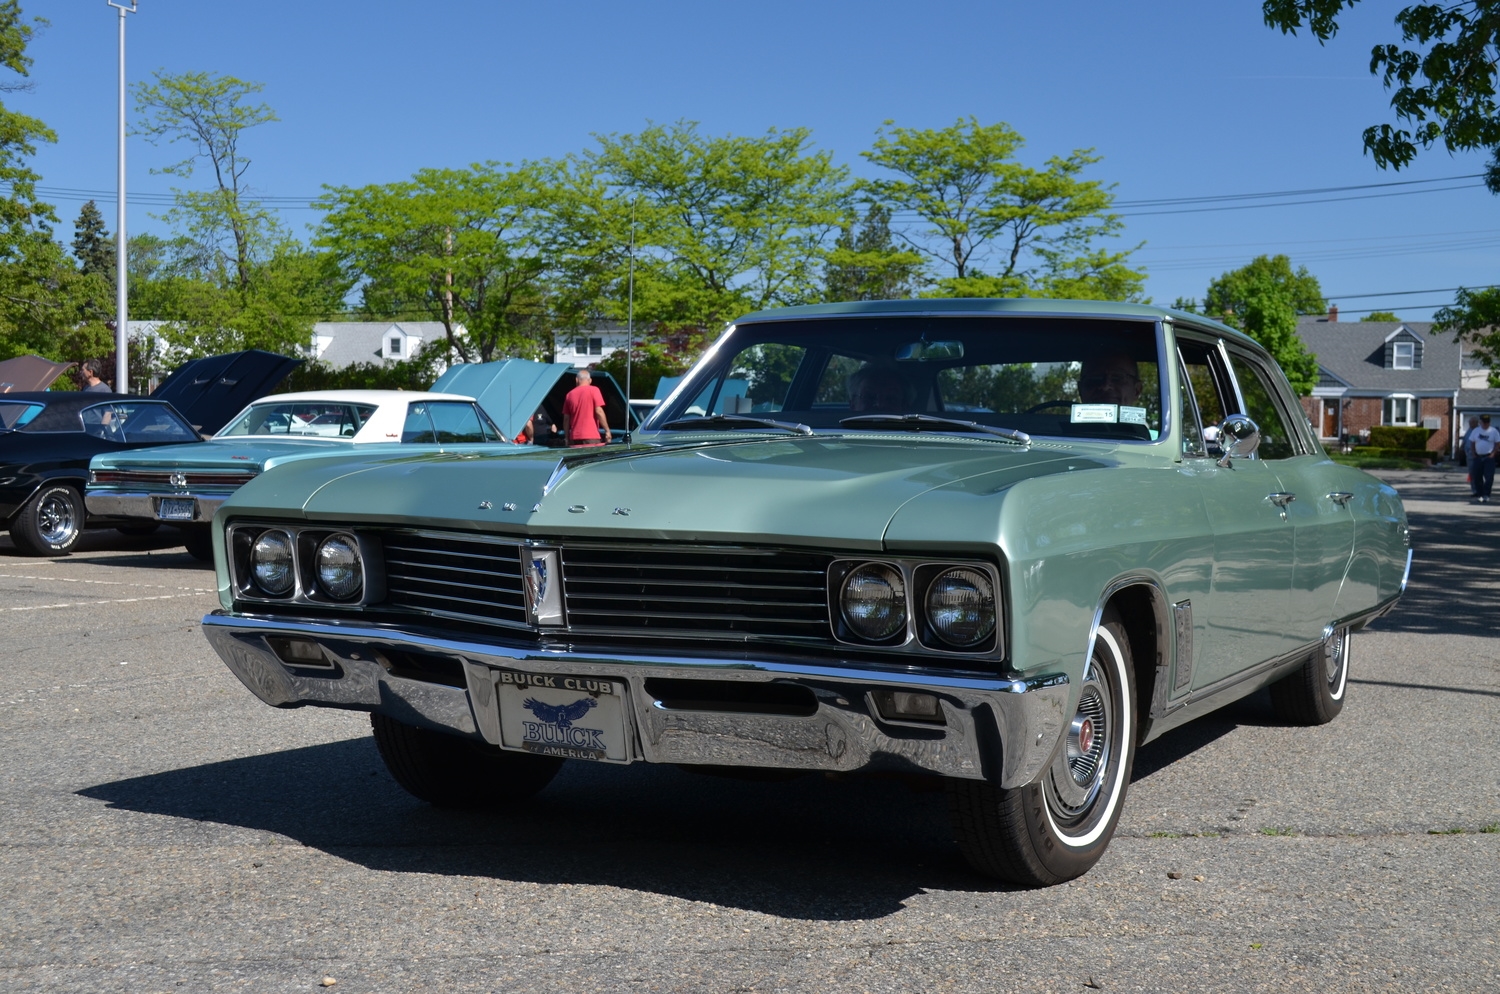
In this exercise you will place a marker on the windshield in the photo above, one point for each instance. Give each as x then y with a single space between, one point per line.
136 421
302 418
1080 378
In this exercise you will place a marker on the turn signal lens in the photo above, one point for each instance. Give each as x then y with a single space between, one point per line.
271 563
339 573
873 602
961 607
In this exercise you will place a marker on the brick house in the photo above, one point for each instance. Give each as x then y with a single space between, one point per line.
1382 373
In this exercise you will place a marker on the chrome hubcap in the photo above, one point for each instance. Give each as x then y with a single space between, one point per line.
1334 647
55 520
1078 773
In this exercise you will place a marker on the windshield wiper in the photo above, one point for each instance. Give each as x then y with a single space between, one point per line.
926 422
718 421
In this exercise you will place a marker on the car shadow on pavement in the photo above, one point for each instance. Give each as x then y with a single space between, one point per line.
810 848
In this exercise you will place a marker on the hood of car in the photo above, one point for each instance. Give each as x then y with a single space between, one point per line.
29 372
512 390
824 490
212 390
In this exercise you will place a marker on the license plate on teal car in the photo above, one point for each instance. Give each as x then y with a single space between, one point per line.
176 509
569 717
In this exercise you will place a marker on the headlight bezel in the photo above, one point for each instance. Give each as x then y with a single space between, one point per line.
307 589
919 633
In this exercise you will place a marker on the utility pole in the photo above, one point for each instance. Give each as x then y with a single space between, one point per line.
122 319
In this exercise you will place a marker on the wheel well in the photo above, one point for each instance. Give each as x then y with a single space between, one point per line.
1141 609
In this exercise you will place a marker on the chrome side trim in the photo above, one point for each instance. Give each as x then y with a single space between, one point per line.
997 729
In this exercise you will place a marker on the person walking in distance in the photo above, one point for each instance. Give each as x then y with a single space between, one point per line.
1467 444
583 413
88 376
1482 470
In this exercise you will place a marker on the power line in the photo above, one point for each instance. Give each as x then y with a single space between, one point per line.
1405 293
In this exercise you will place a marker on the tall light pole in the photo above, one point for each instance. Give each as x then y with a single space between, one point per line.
122 322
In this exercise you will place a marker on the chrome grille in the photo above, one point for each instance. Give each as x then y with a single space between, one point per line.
455 577
162 479
703 590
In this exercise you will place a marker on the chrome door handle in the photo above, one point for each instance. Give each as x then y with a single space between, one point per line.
1340 498
1280 499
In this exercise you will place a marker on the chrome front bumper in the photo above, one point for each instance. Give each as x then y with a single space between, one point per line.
996 729
113 504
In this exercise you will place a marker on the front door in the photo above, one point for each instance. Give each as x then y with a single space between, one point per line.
1330 419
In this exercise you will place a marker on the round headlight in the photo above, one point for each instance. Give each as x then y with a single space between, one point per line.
338 567
873 601
961 607
271 563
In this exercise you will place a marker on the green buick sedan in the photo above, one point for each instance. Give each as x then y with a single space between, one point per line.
1000 542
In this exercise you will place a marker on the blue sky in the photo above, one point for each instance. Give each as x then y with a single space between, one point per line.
1181 98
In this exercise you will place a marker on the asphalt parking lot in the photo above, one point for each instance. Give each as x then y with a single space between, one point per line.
161 830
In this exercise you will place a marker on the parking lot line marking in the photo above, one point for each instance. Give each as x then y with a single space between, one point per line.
109 600
109 583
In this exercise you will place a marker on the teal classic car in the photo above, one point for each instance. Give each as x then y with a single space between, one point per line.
999 542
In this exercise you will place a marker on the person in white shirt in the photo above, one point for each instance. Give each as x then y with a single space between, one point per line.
1482 472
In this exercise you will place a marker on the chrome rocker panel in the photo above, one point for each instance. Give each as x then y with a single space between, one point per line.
114 504
996 729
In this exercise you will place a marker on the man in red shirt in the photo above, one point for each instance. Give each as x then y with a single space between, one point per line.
583 413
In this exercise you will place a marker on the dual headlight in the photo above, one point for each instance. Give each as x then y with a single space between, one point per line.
956 605
277 563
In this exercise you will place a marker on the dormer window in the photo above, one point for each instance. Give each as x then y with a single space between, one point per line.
1403 349
394 346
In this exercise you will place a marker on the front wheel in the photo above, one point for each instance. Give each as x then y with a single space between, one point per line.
199 542
452 772
1056 827
50 523
1314 693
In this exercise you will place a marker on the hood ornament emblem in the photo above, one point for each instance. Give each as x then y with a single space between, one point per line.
508 506
485 505
623 511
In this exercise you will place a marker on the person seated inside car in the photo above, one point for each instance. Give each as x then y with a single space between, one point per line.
876 389
1110 378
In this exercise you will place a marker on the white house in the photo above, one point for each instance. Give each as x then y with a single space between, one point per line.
586 347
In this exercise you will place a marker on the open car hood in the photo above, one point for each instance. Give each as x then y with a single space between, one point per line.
511 390
27 373
210 391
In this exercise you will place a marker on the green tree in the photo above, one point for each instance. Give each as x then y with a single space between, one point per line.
996 227
210 114
865 263
92 245
1444 82
1380 316
1474 315
460 246
723 225
1263 299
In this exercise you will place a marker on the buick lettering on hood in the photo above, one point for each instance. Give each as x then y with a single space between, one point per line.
1001 543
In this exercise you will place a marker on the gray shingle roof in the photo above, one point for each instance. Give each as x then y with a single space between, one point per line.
363 341
1354 351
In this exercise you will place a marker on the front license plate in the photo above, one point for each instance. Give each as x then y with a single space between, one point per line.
177 509
570 717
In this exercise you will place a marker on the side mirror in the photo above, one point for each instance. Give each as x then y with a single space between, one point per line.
1239 437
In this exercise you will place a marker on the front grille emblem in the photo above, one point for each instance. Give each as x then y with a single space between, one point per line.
537 575
178 479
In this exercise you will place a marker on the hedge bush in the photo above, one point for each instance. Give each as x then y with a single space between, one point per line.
1388 452
1394 437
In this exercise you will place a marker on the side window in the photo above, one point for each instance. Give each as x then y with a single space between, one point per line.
1276 438
456 423
418 426
1192 430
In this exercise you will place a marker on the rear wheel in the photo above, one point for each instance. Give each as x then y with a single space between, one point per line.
1314 693
199 541
1056 827
451 772
50 523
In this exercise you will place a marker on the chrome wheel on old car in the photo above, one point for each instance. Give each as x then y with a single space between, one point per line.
1057 827
50 523
1314 693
